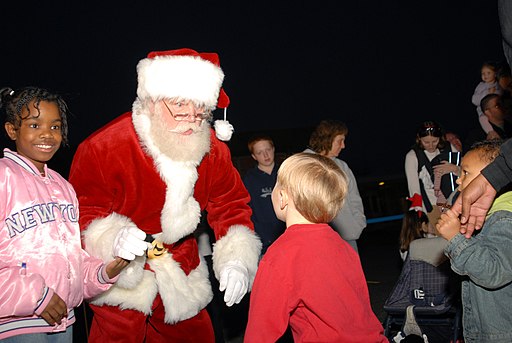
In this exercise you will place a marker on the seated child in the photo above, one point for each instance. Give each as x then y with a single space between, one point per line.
310 278
484 258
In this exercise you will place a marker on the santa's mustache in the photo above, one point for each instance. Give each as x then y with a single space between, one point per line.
184 127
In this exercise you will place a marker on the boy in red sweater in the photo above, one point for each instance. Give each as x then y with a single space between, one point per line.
310 278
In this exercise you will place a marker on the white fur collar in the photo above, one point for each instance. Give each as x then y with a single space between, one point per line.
181 212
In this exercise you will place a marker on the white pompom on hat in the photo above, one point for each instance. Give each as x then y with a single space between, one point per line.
186 74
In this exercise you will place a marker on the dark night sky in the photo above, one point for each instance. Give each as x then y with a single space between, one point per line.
382 67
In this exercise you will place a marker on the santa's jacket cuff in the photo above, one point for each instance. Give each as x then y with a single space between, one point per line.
240 243
99 239
183 295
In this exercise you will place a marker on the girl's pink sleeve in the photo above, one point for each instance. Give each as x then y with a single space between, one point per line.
20 295
96 280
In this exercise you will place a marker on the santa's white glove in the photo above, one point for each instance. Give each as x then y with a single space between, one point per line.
130 243
234 278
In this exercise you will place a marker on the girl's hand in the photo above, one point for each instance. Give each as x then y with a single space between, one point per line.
448 225
55 310
115 267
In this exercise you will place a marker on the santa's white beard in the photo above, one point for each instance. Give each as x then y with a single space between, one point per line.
177 146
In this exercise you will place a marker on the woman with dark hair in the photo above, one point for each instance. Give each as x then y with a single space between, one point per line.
419 170
328 139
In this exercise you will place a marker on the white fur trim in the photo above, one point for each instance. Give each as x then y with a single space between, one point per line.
99 238
183 295
139 298
181 212
223 130
188 77
240 243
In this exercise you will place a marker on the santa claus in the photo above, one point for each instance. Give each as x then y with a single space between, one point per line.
147 175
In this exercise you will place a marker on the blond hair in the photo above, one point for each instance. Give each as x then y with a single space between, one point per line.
316 185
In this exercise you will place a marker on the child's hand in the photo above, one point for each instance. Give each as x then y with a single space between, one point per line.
492 90
55 310
448 225
115 267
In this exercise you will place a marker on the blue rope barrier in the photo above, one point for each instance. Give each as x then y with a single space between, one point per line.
384 219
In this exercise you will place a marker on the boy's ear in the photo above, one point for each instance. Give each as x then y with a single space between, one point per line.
283 195
11 131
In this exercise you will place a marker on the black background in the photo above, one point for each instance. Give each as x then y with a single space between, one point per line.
382 67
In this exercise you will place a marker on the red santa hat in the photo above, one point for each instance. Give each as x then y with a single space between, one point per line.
416 204
187 74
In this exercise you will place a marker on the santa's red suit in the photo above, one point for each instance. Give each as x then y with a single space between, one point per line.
121 179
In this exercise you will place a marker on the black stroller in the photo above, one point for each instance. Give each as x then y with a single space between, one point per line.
429 285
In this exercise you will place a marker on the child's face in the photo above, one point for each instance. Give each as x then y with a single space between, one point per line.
471 166
39 136
263 152
488 75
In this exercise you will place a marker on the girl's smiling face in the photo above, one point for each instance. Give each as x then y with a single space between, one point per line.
40 133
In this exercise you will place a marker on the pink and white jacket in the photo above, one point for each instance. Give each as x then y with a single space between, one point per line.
40 248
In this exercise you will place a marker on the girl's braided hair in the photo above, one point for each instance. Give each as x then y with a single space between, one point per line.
13 103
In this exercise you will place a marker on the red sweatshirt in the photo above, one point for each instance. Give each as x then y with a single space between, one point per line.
313 280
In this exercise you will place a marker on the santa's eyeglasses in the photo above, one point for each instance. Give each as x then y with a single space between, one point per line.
177 109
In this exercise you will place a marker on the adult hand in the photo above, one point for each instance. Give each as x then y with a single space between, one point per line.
234 278
55 310
446 167
130 243
493 135
473 204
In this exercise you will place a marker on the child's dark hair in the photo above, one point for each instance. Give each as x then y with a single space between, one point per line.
486 99
412 228
13 102
487 150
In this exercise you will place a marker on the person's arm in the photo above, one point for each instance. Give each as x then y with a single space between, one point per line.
476 199
237 248
269 309
21 294
481 90
350 221
499 172
411 173
486 126
445 167
485 258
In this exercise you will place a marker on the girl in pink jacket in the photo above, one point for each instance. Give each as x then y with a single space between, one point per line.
44 273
